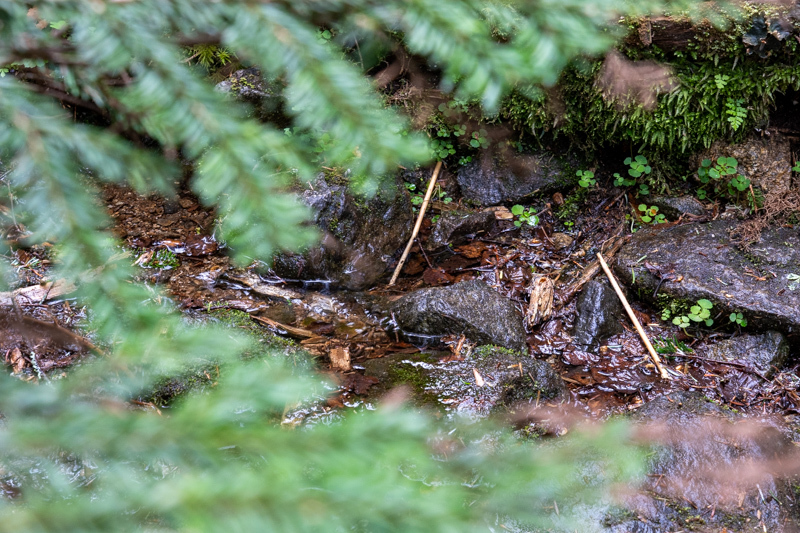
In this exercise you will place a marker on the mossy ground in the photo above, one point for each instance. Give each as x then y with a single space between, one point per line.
201 374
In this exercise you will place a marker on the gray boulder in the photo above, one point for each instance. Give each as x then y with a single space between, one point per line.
471 308
359 236
599 315
490 182
763 353
709 470
672 207
248 85
453 226
695 261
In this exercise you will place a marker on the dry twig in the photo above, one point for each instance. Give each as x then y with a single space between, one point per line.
632 315
421 215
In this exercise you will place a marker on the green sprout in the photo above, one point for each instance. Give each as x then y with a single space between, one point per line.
586 178
697 313
650 214
738 318
524 215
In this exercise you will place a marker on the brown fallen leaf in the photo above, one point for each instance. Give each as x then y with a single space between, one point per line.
340 358
478 378
16 360
472 250
500 212
436 276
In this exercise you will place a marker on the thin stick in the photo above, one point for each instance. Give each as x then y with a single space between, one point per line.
635 321
421 215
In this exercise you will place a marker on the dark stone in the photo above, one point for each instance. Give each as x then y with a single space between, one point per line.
455 225
760 352
538 382
672 207
491 182
709 470
359 236
700 261
471 308
599 315
266 96
249 85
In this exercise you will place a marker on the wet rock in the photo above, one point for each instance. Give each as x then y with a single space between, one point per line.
248 84
710 470
673 207
471 308
766 161
455 225
267 97
763 353
561 240
359 236
699 261
453 383
599 315
492 182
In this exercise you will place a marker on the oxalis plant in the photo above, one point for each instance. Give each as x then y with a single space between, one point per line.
698 313
723 170
637 167
525 215
77 454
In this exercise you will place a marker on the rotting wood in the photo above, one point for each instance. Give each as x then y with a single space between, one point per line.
591 270
632 315
291 330
37 294
421 215
541 299
31 328
264 289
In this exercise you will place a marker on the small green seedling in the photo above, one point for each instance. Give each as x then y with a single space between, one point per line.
650 214
739 182
441 195
526 216
638 166
725 166
480 139
697 313
416 197
796 167
620 181
586 178
667 346
644 190
739 319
